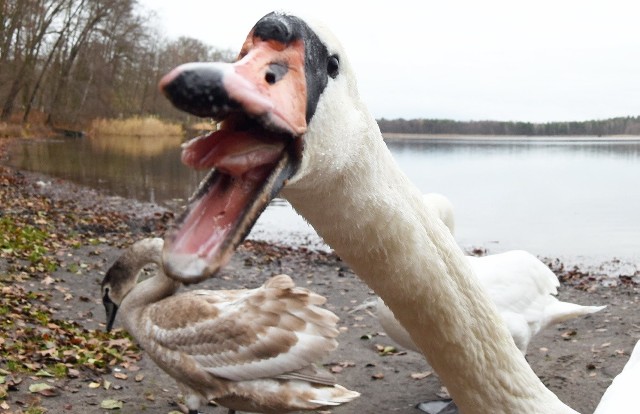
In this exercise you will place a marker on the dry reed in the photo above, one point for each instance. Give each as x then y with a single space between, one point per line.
8 130
135 126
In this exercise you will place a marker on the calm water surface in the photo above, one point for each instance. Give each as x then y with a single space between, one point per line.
578 198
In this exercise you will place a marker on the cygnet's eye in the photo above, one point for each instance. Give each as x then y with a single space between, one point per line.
333 66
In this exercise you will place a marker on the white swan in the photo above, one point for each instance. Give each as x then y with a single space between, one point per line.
518 283
249 349
442 208
521 287
293 117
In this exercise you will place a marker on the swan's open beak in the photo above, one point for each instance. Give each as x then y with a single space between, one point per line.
261 100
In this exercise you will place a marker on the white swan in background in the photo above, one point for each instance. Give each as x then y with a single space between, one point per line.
291 106
521 287
442 207
518 283
250 349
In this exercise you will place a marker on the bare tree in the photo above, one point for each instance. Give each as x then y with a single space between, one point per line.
37 17
75 60
71 14
94 13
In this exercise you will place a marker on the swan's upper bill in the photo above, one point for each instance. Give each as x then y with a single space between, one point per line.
266 100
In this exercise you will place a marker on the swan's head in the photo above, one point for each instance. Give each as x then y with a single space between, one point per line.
282 104
122 276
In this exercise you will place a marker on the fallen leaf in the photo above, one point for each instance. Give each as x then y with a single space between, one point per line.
444 393
111 404
388 350
346 364
421 375
13 382
37 387
378 376
94 385
47 280
139 377
43 389
120 375
43 373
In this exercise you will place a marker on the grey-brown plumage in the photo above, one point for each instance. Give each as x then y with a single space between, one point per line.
249 350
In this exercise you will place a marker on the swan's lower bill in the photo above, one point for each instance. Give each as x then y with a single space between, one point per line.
261 102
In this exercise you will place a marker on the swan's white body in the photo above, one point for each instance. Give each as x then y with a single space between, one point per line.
249 349
623 395
521 287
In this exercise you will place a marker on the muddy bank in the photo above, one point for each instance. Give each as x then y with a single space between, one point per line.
87 230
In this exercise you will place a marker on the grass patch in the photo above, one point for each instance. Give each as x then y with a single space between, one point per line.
38 343
136 126
27 242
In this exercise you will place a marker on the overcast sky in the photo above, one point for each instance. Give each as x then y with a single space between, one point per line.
544 60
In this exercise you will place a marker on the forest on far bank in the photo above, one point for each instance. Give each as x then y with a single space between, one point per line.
68 62
614 126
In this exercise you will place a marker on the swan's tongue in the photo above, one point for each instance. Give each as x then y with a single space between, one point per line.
249 171
261 100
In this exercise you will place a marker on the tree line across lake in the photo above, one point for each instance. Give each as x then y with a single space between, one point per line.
613 126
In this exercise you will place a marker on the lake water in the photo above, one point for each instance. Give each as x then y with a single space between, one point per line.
553 197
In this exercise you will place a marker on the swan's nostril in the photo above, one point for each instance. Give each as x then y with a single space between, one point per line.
270 78
275 72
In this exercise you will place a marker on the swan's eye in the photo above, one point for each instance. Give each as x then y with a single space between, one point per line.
333 66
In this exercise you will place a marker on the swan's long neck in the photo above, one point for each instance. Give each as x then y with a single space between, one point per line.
149 291
374 218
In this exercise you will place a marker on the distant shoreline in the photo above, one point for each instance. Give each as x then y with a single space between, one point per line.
472 137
